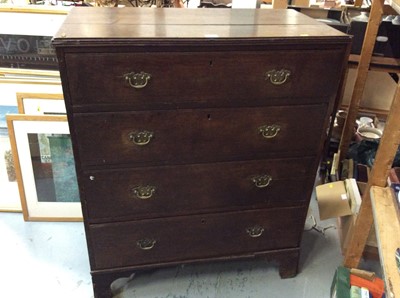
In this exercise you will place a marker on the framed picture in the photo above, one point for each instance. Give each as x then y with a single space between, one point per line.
41 103
29 76
29 47
45 167
9 200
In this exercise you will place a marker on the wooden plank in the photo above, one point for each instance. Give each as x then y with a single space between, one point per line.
389 144
358 3
359 235
396 5
378 177
279 4
387 228
362 73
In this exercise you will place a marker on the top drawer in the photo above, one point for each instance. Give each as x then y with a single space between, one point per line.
212 79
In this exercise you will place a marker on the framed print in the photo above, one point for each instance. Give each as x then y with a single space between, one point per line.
41 103
9 200
45 167
29 76
29 47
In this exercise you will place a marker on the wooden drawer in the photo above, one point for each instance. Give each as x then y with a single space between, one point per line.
193 237
114 195
187 136
213 79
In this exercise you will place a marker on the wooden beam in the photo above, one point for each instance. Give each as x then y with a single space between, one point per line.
358 3
279 4
361 75
387 227
388 146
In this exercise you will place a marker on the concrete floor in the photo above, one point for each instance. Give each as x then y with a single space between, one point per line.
48 260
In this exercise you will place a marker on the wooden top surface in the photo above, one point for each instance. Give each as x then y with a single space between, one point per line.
205 24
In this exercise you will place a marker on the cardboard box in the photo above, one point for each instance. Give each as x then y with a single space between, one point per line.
345 225
333 200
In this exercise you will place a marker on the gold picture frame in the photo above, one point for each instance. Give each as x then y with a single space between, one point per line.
29 76
40 103
39 175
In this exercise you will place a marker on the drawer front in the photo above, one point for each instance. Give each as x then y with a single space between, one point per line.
216 79
186 136
175 190
185 238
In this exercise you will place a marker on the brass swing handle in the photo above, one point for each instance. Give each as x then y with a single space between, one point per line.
143 192
255 231
137 80
269 131
146 244
277 77
141 138
262 180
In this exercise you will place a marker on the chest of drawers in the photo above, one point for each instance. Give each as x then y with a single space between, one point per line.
196 133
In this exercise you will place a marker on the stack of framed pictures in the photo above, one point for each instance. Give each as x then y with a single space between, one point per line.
37 173
9 199
44 165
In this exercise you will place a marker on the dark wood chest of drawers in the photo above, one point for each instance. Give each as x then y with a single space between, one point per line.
197 134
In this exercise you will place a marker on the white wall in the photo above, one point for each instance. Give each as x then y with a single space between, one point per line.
378 93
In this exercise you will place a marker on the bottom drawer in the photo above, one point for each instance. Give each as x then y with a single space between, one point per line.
186 238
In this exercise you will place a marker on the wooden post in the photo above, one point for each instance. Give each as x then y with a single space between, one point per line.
179 4
362 73
279 4
358 3
388 146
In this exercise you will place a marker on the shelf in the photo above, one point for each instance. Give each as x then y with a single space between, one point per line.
378 204
384 64
387 227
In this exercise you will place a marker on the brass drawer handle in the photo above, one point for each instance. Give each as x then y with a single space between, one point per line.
137 80
141 138
146 244
143 192
255 231
269 131
277 77
262 181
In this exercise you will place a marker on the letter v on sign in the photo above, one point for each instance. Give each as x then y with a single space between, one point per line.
5 44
